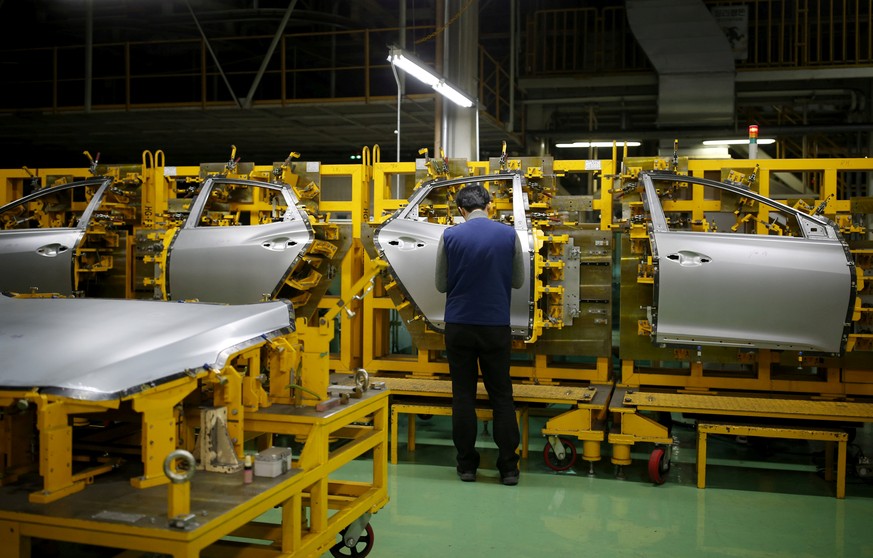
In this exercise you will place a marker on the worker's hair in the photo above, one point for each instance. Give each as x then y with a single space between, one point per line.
472 196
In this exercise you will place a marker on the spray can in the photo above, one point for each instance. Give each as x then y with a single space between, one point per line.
248 473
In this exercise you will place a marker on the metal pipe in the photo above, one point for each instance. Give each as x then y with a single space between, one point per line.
476 133
513 61
583 100
402 42
701 133
441 129
399 96
214 57
270 51
401 80
89 52
333 64
852 95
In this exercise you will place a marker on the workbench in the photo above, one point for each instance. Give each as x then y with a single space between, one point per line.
583 419
413 409
741 415
828 435
110 512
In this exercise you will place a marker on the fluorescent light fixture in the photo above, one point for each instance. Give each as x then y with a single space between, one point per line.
598 144
413 67
453 94
417 69
761 141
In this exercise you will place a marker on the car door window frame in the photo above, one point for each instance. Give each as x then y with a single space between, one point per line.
811 226
101 183
291 213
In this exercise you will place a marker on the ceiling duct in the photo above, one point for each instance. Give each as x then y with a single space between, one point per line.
693 58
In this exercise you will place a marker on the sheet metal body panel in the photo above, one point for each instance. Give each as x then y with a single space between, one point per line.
409 244
236 264
42 258
128 345
411 249
749 290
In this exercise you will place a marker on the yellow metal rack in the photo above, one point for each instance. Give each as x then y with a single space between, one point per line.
197 521
350 200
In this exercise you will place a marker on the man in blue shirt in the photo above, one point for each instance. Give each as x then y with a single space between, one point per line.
479 262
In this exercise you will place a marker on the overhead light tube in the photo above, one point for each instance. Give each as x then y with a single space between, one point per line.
417 69
598 144
414 68
761 141
453 94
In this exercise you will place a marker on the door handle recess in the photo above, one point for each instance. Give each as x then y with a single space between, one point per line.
407 243
279 244
52 250
687 258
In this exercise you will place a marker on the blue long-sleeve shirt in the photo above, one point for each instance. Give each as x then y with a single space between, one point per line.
478 263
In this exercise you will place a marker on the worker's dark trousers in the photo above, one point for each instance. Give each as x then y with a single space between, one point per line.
469 348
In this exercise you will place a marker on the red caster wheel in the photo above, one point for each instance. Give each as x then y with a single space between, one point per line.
659 466
552 460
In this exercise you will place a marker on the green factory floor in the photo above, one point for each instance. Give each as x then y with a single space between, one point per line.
764 498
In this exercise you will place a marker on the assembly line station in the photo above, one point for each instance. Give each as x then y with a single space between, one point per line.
218 325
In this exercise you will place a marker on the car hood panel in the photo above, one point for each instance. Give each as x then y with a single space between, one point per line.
127 346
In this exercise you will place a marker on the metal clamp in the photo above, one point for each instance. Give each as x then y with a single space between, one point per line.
175 476
362 379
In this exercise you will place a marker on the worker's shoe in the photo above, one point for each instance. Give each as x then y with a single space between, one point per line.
509 479
467 476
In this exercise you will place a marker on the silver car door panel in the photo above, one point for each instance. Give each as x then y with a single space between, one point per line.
235 265
521 304
410 247
40 259
749 290
752 291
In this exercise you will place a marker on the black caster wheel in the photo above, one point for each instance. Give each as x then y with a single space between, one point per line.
361 549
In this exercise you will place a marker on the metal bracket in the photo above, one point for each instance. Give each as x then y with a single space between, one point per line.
214 448
184 522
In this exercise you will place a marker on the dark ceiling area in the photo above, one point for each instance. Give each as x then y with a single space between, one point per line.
194 78
45 119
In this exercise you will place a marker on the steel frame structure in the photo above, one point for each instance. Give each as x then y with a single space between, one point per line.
360 196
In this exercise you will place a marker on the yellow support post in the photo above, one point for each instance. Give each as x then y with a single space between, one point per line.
56 446
284 365
159 430
11 540
254 396
314 377
178 499
228 393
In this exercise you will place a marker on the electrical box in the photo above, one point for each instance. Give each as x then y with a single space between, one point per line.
273 462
